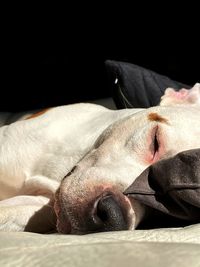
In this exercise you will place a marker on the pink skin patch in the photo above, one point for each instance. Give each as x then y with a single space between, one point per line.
182 94
182 97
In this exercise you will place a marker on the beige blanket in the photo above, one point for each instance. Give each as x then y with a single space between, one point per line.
145 248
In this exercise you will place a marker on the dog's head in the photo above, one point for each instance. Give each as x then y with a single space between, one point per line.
90 198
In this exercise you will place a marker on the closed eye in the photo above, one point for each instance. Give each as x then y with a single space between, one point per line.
155 145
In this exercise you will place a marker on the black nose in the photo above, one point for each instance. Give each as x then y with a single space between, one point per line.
108 215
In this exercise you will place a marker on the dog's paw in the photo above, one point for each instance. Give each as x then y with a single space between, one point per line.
182 97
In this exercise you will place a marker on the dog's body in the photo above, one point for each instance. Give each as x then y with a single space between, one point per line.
99 152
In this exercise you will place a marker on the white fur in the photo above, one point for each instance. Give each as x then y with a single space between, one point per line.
108 147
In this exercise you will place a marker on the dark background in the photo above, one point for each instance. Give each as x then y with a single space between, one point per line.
50 67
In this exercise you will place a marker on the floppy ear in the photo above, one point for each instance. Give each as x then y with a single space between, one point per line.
182 97
171 186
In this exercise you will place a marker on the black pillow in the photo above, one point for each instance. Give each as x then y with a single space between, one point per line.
137 87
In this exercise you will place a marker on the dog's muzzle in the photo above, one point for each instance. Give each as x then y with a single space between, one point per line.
107 212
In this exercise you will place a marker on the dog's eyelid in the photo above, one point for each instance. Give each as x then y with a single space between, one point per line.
155 141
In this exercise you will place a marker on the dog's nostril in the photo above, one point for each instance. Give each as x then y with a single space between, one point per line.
109 214
104 208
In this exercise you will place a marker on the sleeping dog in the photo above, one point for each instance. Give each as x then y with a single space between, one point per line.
66 168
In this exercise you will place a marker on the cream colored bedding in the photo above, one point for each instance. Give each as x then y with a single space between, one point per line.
145 248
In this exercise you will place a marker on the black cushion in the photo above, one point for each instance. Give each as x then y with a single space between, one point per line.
136 87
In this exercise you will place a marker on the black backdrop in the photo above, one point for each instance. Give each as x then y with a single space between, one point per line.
42 74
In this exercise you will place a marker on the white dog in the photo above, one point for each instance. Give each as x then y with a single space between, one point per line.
66 168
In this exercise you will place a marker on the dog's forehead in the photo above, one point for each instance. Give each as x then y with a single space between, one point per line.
127 125
159 114
141 118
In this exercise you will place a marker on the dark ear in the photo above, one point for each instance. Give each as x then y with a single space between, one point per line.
171 186
137 87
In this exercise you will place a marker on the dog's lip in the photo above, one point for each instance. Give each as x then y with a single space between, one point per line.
63 224
131 213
